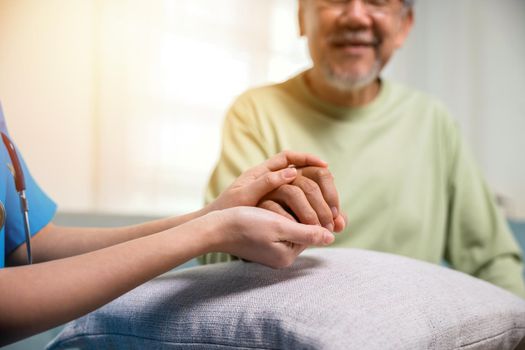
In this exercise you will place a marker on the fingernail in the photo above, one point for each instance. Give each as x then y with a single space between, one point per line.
335 212
328 238
330 227
289 173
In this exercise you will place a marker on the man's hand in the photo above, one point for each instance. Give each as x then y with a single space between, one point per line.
311 198
249 188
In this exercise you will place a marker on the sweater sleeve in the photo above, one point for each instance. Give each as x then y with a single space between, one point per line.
479 241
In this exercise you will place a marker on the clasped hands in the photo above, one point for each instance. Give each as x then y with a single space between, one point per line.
301 206
311 198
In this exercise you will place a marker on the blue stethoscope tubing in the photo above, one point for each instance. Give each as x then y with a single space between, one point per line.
20 185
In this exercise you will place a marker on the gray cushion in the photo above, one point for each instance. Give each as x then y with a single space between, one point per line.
329 299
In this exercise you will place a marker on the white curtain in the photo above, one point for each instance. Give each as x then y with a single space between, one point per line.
167 70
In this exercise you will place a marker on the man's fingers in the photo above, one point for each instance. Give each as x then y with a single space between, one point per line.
339 223
276 208
293 198
315 197
325 180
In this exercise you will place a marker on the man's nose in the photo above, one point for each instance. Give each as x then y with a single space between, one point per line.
355 14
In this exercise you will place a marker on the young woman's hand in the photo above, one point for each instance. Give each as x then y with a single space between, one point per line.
262 236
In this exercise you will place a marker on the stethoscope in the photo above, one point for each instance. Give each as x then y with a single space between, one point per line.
20 185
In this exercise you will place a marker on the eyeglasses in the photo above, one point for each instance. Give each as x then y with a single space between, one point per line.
370 6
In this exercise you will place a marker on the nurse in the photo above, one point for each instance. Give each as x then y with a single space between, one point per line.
76 270
12 233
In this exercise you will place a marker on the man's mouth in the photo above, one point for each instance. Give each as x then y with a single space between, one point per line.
353 41
356 49
342 44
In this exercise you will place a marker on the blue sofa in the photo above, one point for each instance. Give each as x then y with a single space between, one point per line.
518 227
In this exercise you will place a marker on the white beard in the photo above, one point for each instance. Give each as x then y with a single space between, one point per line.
350 82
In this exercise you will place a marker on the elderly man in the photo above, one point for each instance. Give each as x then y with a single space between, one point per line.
406 179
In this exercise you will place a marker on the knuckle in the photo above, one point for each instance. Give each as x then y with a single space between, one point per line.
309 218
275 208
316 238
309 237
323 174
280 226
310 187
283 155
270 180
290 190
325 215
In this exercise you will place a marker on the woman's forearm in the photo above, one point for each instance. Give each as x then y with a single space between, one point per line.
247 190
37 297
40 296
57 242
114 261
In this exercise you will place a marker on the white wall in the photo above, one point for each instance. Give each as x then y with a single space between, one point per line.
500 136
470 53
46 87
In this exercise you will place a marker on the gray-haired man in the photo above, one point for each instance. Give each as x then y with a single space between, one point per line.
406 180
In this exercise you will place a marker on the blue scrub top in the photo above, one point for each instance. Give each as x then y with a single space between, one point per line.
41 208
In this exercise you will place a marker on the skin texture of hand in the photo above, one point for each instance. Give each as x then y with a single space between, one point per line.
311 198
265 237
255 183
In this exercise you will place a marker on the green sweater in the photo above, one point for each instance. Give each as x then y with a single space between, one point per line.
406 179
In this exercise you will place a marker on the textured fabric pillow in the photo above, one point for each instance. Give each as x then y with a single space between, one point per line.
329 299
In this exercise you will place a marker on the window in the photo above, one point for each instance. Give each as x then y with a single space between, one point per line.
166 74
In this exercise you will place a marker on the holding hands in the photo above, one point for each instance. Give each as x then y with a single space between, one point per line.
252 185
298 186
311 198
92 266
302 208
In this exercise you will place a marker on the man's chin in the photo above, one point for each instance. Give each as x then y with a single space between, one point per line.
350 84
345 81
